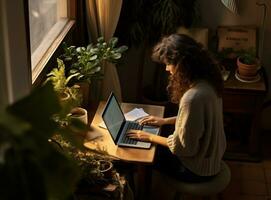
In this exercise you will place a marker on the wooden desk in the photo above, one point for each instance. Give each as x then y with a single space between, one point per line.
245 99
105 141
140 157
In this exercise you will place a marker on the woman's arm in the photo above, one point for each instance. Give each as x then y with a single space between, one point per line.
157 121
170 120
157 139
147 137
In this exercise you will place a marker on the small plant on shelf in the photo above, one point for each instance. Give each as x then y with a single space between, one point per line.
225 54
247 63
247 56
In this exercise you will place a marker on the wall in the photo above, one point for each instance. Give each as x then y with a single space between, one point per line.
214 13
129 75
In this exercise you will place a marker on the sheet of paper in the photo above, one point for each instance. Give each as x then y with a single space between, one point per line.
132 115
135 114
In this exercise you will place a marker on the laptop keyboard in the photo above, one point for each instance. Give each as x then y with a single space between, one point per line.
131 125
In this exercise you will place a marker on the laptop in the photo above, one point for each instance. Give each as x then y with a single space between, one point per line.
118 126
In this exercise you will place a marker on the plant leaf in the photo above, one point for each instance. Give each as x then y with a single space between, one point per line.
42 103
8 121
116 56
113 42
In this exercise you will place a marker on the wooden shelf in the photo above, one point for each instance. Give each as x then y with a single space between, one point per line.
244 100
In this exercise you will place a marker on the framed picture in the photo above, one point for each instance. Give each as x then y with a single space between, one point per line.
237 37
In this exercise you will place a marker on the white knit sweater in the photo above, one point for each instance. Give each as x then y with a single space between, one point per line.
199 140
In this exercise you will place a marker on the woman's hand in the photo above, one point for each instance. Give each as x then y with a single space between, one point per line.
140 135
152 120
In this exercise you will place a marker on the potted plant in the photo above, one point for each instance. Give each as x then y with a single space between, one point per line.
248 64
30 167
69 95
86 63
33 168
61 83
96 167
105 167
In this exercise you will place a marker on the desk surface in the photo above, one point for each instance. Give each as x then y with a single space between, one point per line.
106 143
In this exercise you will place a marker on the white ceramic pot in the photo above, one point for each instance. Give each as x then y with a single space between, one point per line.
80 113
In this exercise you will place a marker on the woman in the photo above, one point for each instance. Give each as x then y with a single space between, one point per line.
198 141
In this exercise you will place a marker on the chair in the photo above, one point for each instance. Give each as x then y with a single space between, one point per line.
205 189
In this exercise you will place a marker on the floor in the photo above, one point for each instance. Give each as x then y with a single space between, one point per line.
249 181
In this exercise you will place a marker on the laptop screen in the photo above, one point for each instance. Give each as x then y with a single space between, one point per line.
113 116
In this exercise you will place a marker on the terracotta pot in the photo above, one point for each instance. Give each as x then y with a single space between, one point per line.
246 70
246 78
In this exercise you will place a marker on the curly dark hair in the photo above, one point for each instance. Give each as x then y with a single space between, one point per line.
192 63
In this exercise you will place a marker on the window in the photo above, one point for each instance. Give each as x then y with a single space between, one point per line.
15 68
48 23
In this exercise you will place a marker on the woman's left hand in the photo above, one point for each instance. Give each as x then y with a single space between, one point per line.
140 135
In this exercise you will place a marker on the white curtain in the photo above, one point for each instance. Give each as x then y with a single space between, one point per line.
103 16
231 5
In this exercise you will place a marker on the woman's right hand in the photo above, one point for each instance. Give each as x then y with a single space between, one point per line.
152 120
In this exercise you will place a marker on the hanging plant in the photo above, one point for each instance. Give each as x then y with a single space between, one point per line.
166 14
148 20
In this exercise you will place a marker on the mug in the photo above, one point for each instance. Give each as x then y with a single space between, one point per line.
80 114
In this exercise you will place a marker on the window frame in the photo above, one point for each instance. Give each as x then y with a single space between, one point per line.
37 73
15 63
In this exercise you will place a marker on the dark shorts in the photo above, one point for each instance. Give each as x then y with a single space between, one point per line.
169 164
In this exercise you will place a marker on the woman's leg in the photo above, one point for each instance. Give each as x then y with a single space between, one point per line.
169 164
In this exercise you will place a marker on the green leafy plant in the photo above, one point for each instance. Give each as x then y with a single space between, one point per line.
69 96
247 56
86 62
148 20
225 53
30 167
92 164
61 82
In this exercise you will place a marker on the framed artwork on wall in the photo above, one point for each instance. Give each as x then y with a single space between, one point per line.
237 37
